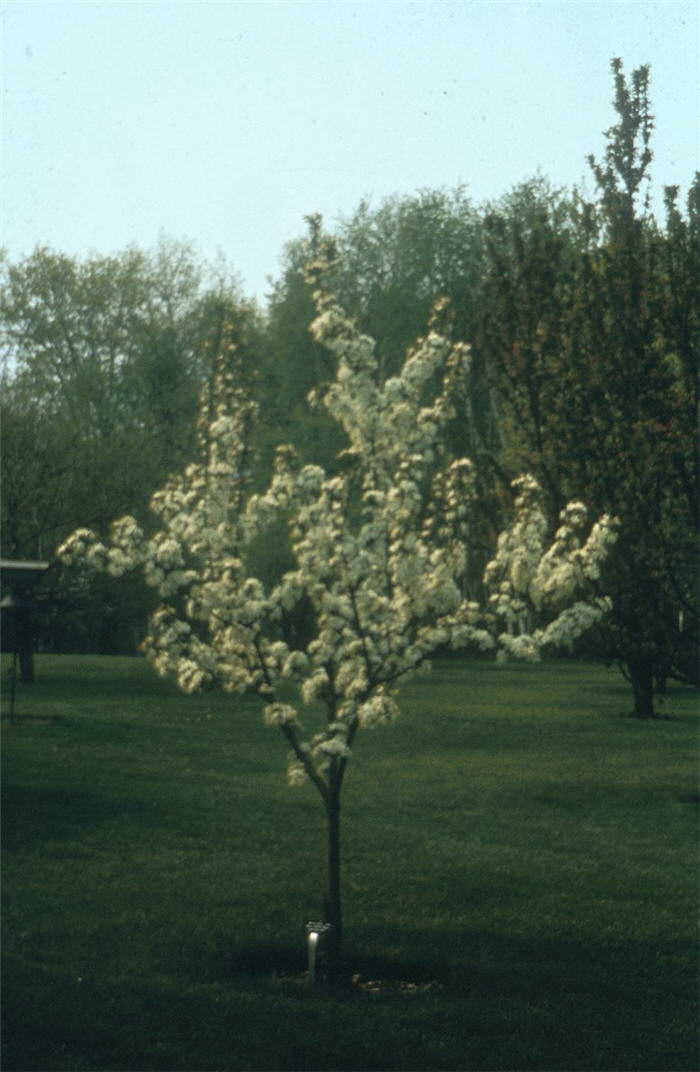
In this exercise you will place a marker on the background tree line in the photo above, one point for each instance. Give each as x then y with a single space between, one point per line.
583 314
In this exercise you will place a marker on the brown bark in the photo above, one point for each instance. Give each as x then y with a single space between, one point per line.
332 903
642 678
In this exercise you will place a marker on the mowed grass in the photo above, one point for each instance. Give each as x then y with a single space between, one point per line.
511 841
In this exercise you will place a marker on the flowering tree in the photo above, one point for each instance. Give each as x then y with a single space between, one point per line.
379 550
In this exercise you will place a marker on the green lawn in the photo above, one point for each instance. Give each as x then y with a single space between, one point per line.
512 841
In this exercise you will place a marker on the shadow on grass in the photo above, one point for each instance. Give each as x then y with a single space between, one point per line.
33 815
525 1005
359 972
27 718
556 970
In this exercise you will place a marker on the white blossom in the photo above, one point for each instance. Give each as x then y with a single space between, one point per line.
277 714
380 552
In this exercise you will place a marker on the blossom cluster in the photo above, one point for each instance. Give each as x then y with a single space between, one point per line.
527 581
380 551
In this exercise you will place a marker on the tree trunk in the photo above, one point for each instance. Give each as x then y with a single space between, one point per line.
26 665
25 645
688 661
331 900
642 678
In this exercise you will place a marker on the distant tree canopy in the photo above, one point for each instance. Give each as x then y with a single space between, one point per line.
103 360
584 321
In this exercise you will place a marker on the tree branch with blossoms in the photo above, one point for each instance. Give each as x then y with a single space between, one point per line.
380 552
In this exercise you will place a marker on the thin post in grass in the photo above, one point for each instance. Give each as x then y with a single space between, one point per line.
13 682
314 930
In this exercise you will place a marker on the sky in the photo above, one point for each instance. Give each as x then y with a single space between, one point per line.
224 124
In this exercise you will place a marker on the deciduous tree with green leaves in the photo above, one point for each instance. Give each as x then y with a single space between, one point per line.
103 360
589 326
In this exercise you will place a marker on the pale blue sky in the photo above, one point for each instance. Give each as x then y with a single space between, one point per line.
225 123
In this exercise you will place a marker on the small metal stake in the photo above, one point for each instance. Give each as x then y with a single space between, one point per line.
313 930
